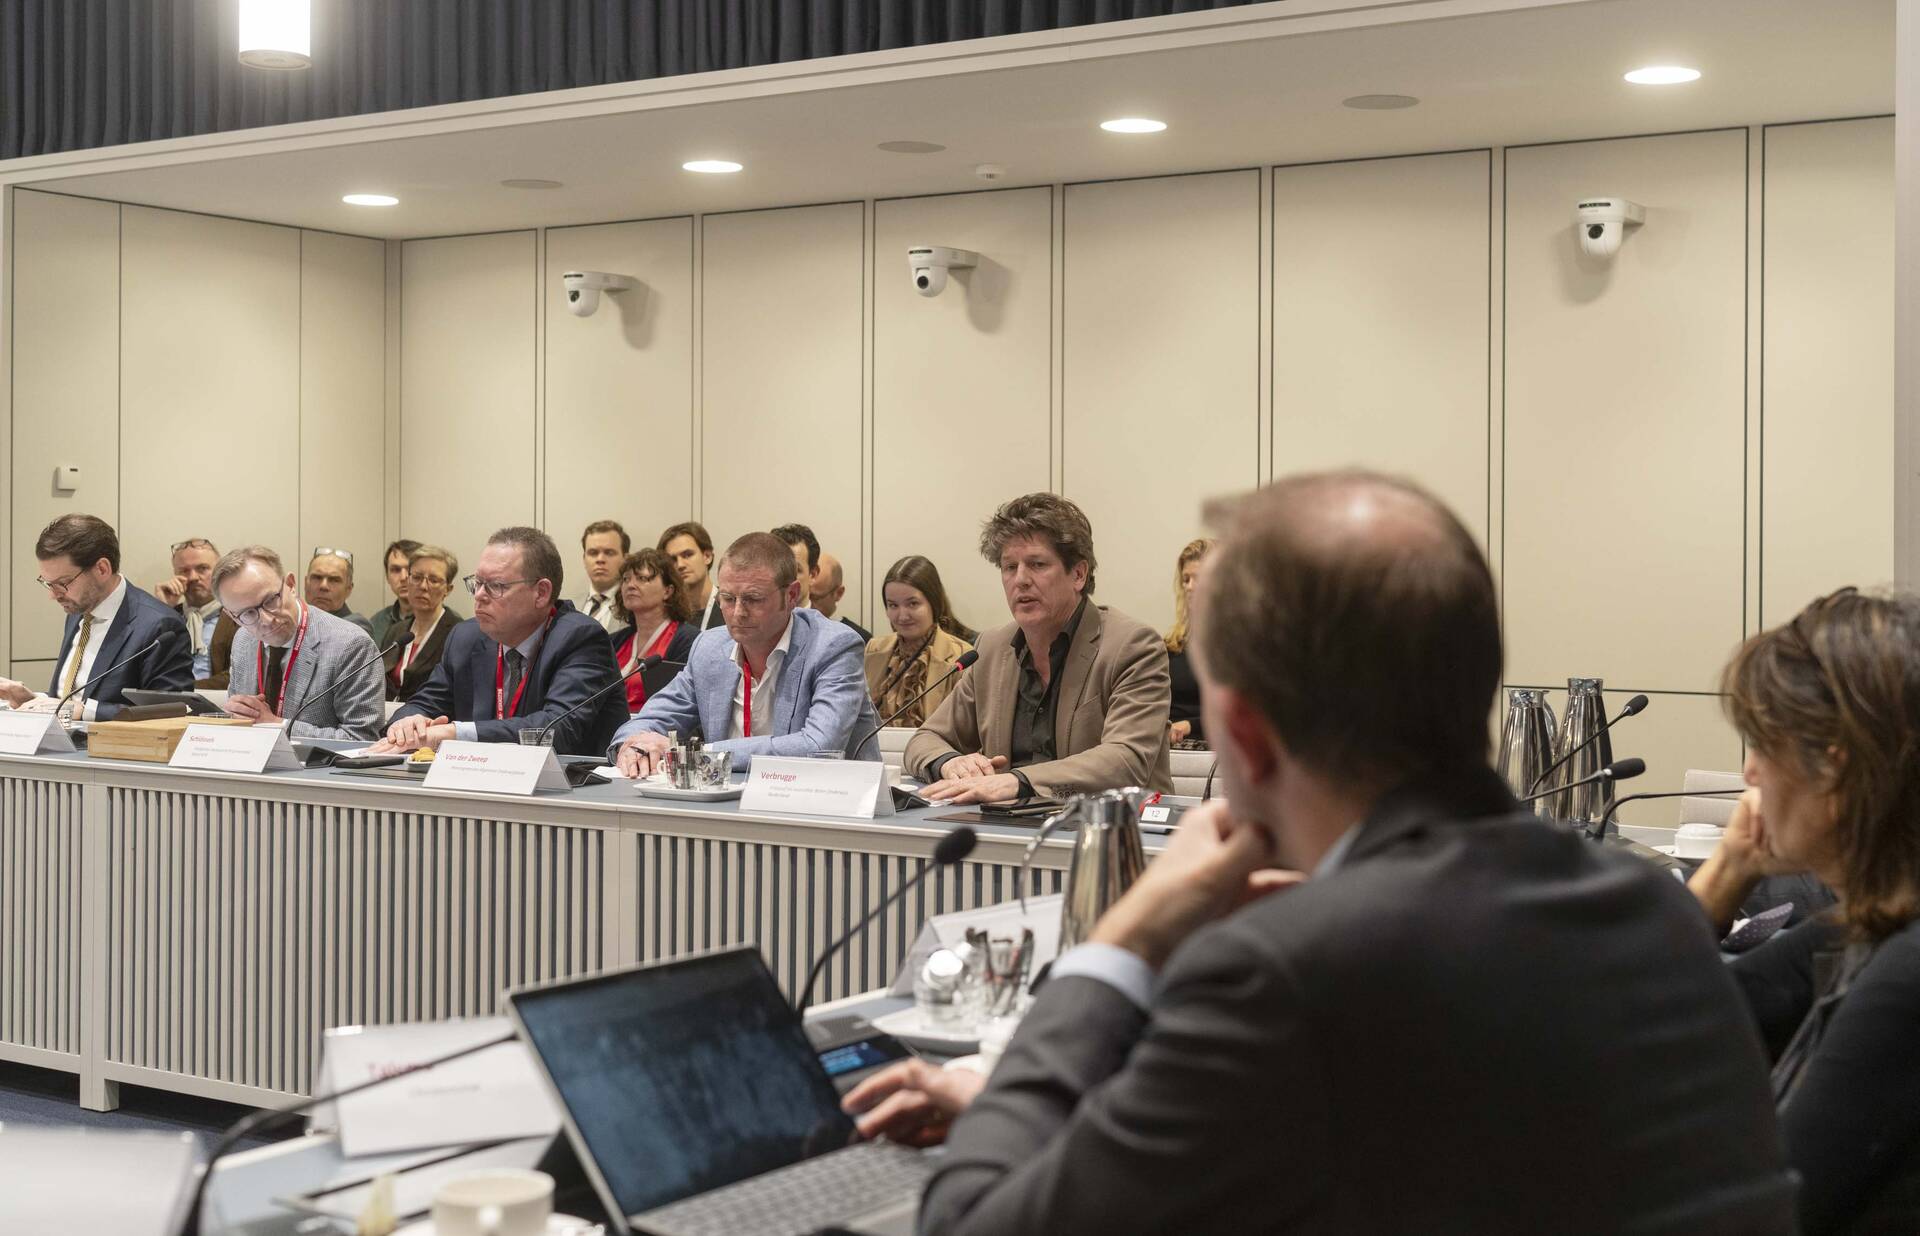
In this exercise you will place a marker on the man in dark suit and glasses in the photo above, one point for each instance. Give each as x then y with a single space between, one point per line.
1464 1019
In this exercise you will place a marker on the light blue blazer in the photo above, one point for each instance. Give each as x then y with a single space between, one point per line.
820 703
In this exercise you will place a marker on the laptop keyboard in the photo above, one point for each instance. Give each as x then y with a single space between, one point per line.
799 1199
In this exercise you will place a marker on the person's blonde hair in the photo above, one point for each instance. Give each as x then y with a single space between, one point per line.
1196 550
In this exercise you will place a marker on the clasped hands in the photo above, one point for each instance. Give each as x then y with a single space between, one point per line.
973 779
1213 865
412 733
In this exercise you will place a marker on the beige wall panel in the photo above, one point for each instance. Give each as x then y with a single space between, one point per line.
343 313
1625 411
466 390
1161 368
620 385
1827 378
1675 733
780 375
66 387
210 386
1380 322
961 395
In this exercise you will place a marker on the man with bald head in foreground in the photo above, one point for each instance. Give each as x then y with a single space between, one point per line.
1462 1020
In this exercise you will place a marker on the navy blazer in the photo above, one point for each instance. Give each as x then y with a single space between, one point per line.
142 619
573 662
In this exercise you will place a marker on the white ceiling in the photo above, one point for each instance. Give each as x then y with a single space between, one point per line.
1534 75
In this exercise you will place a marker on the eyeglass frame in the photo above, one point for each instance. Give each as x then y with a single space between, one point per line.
752 603
330 552
59 586
495 588
192 542
416 579
269 604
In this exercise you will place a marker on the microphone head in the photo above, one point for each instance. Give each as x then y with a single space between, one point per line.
1628 768
1636 705
955 846
966 659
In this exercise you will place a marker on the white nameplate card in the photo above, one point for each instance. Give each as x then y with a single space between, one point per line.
30 733
492 1095
856 788
234 748
1002 921
496 767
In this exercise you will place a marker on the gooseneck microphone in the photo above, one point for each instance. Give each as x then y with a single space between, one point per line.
339 682
1619 770
1633 707
642 663
964 660
89 683
1599 826
950 849
267 1118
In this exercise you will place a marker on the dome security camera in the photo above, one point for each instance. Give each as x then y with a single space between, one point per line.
1603 222
584 288
928 266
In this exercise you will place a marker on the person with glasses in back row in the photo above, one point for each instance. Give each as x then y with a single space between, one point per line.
293 661
189 593
107 622
417 648
330 583
524 659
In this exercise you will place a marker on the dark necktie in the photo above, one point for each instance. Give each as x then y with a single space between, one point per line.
516 667
276 667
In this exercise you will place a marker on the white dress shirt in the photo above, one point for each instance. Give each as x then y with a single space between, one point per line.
468 731
103 615
763 687
599 607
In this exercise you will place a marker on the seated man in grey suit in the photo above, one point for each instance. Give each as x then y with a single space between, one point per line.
776 680
1465 1020
293 661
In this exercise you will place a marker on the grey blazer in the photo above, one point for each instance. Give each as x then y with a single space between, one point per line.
333 647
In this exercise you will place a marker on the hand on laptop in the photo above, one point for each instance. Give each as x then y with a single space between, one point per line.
913 1102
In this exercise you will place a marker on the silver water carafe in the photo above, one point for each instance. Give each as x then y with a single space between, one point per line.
1526 744
1585 718
1107 856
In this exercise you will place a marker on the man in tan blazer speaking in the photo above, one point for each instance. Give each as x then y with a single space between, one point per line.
1068 697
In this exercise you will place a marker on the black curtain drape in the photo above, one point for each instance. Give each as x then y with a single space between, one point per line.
77 74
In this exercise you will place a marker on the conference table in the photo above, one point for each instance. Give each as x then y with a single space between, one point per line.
197 932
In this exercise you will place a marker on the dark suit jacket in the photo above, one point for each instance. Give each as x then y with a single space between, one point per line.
1477 1024
574 661
142 618
1109 726
422 666
219 651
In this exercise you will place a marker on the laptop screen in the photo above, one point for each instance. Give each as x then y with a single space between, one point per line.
684 1077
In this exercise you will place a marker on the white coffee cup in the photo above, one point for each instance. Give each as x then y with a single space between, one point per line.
1697 841
497 1202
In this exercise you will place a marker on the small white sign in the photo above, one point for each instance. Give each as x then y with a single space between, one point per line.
492 1095
496 767
31 733
234 748
1003 920
854 789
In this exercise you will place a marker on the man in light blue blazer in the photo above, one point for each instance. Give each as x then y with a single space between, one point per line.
776 680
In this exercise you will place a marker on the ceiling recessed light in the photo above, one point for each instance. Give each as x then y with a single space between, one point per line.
1663 75
370 199
1379 102
1133 124
530 183
912 147
712 167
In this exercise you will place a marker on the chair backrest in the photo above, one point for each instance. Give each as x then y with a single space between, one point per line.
893 744
1190 769
1716 811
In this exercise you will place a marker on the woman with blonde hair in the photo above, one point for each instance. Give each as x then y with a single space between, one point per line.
1183 717
1829 707
926 641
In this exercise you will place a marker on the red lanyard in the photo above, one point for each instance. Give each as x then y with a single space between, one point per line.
286 671
747 695
501 708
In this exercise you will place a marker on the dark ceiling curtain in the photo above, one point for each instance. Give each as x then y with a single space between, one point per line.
76 74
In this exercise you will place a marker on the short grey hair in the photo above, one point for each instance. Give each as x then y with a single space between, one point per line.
539 556
235 561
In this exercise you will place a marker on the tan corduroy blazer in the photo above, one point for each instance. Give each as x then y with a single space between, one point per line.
941 653
1110 725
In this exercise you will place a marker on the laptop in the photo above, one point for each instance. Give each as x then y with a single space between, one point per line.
698 1106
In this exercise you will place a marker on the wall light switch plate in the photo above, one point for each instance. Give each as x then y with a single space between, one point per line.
66 479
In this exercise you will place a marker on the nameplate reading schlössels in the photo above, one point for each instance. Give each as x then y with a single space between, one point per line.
496 767
27 733
845 788
234 748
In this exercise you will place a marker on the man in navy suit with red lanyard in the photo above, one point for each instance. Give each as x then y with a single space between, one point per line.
521 661
108 622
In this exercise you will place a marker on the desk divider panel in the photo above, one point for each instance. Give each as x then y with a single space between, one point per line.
40 892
